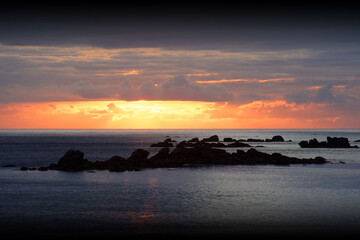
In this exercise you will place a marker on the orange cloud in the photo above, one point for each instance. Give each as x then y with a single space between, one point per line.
200 74
119 73
247 80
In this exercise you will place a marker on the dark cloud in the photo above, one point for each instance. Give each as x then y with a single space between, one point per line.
178 88
210 26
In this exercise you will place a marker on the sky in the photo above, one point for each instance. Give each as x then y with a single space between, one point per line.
179 66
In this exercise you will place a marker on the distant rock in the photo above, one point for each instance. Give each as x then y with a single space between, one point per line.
228 139
332 142
9 165
194 140
237 144
254 140
213 138
186 153
165 143
277 138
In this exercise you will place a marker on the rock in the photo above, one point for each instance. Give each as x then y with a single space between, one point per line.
165 143
237 144
213 138
169 140
182 144
115 164
277 138
254 140
228 139
9 165
340 142
162 144
74 161
185 153
194 140
137 159
320 160
163 153
42 169
24 168
332 142
139 155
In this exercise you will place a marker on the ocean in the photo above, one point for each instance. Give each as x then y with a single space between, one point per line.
207 200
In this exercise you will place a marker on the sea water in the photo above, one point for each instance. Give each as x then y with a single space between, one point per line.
264 199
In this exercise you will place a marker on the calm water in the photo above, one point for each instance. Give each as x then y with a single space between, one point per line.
321 199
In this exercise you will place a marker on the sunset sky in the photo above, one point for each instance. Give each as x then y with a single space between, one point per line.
179 66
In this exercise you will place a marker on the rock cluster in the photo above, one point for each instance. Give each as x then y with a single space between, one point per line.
332 142
166 143
186 153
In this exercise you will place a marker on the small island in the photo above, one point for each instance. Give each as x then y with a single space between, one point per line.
185 154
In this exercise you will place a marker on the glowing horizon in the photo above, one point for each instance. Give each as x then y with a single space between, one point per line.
134 70
166 115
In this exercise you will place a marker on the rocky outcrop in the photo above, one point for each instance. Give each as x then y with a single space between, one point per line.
73 161
166 143
277 138
332 142
213 138
200 153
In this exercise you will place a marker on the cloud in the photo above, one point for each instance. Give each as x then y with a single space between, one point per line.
178 88
227 26
248 80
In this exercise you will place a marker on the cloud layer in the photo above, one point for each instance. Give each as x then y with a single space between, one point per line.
274 61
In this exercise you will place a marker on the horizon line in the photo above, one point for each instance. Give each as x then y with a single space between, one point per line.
1 129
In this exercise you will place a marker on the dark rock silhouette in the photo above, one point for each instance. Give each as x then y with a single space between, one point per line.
165 143
9 165
194 140
237 144
227 139
332 142
114 164
73 161
277 138
213 138
199 153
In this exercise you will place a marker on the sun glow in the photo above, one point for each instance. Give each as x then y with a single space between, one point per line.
105 114
164 115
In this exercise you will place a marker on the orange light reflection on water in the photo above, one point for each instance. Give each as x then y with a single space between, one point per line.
146 219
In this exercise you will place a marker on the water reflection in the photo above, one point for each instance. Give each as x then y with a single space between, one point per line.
146 219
